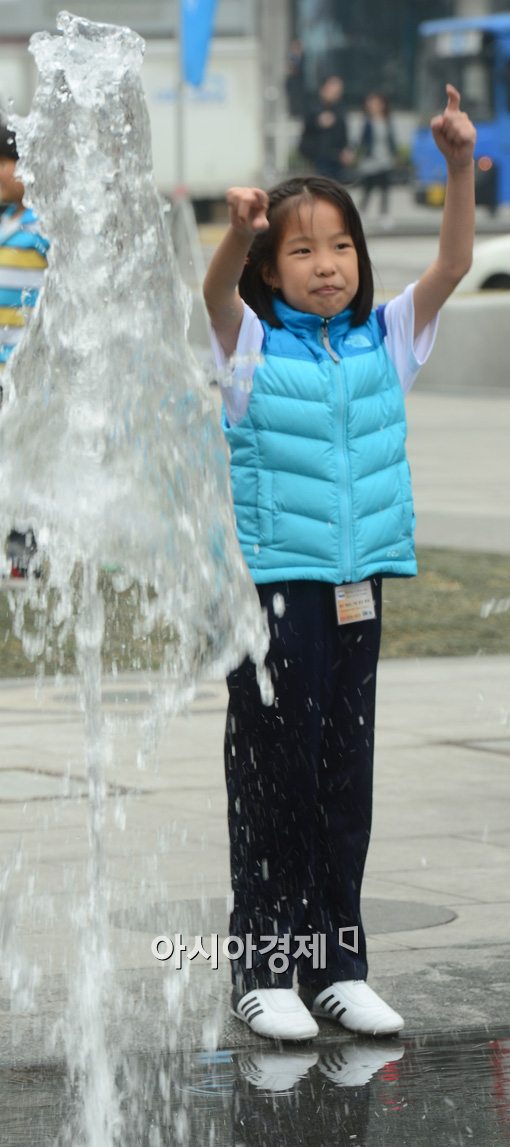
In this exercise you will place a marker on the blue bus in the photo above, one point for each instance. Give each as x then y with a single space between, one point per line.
474 54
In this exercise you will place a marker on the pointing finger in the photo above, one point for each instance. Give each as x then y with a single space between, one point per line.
453 98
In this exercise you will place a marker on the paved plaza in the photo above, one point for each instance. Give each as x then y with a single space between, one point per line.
437 889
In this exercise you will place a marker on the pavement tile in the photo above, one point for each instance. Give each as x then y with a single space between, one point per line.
490 884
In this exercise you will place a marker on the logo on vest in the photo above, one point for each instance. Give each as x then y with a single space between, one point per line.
357 339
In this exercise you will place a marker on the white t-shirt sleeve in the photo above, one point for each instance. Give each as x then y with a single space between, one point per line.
407 353
236 373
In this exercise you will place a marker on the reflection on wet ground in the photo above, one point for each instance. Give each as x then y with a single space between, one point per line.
438 1091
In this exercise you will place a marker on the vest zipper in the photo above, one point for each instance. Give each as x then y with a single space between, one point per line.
343 455
326 343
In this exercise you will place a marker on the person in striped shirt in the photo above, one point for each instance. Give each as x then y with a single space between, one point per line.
23 262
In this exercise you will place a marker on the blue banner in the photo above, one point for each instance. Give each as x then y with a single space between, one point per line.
197 19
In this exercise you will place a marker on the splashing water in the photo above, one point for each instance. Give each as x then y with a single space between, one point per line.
109 439
110 448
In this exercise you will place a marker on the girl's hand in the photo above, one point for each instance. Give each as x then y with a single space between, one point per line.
453 132
247 210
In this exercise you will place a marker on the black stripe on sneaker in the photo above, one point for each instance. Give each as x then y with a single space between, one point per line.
336 1013
323 1003
258 1011
248 1003
332 1006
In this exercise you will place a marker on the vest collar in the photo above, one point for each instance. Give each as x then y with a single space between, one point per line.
300 322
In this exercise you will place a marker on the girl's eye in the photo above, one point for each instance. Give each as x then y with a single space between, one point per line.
301 251
343 246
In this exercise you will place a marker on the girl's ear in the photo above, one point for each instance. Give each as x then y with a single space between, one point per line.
270 277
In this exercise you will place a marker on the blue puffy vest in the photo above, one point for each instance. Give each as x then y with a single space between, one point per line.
320 479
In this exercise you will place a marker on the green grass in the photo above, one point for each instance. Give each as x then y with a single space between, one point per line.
51 638
438 614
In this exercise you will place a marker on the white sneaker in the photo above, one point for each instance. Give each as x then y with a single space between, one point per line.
276 1013
356 1061
272 1071
356 1007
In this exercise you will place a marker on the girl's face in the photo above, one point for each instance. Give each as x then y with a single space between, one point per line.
317 263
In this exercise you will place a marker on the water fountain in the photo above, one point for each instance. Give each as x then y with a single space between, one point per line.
110 450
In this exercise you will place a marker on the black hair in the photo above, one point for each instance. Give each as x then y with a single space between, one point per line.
253 288
8 149
386 110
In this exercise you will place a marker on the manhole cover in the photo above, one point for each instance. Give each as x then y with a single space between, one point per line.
195 917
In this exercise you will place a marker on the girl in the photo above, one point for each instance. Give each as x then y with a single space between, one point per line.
324 510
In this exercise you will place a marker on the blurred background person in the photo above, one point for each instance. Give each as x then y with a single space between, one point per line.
295 81
377 153
22 265
324 141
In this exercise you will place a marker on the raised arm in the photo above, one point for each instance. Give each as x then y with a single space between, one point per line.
247 215
455 137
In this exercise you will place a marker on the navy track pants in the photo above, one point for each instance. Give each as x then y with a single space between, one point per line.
299 783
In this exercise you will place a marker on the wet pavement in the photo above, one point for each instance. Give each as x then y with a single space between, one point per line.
440 1091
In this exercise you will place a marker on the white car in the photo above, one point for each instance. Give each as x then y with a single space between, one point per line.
490 270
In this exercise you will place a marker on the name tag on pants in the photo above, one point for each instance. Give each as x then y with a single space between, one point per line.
354 602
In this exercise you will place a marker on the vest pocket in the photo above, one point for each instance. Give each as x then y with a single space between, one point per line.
407 508
265 509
